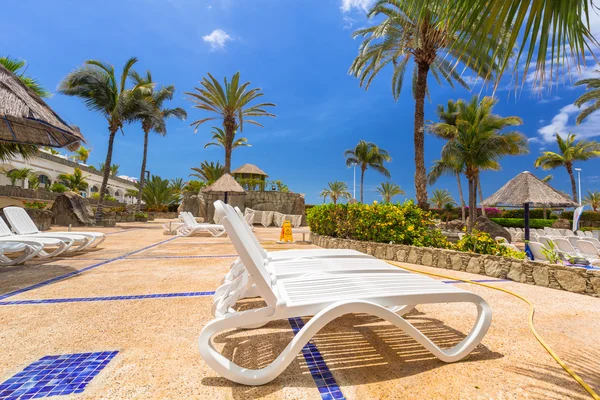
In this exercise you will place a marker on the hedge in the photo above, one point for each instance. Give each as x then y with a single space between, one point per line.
536 213
586 216
520 223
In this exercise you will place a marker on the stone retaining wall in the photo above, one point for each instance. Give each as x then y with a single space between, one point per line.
578 280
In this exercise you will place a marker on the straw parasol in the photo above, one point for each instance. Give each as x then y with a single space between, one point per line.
225 184
250 169
526 190
26 119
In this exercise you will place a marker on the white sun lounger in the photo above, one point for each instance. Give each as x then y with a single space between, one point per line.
23 224
327 297
191 226
58 246
248 218
25 251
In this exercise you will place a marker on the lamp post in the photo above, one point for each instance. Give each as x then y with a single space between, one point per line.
579 183
354 187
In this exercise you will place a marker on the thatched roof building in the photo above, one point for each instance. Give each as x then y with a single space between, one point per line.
225 184
527 188
249 170
25 118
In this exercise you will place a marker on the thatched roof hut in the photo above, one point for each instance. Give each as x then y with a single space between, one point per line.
527 188
225 184
249 171
25 118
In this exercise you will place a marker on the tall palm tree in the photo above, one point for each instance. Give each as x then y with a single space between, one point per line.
441 197
231 103
540 30
367 155
209 172
75 181
406 33
592 199
220 140
475 142
82 154
388 190
592 95
100 89
568 153
336 190
156 119
19 67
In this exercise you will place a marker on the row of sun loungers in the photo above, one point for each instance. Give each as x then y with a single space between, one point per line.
24 241
324 284
567 246
518 234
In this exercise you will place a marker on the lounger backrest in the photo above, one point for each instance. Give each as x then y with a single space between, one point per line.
249 255
580 233
589 234
594 241
20 221
573 240
536 250
544 240
587 247
4 229
564 245
248 229
189 220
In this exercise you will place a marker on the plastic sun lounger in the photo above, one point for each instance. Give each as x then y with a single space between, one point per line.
191 227
23 224
58 245
327 297
248 218
26 251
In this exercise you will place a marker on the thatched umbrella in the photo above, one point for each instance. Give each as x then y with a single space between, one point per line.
225 184
526 190
26 119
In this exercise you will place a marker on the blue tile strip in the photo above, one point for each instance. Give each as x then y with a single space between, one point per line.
106 298
70 274
55 376
481 281
122 231
183 257
328 387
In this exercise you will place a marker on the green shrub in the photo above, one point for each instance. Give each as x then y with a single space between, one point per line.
384 223
141 215
107 197
58 188
482 243
520 223
586 216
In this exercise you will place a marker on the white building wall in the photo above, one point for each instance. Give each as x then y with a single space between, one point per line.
52 169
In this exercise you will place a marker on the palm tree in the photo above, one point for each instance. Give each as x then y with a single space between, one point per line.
156 119
568 153
220 140
336 190
592 199
82 154
178 185
96 84
209 172
231 104
592 95
441 197
367 155
541 31
475 142
19 67
158 192
15 175
75 181
114 168
388 190
406 34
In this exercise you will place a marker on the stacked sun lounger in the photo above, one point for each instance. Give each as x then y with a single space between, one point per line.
24 241
324 284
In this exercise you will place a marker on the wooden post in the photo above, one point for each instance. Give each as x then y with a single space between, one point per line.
526 217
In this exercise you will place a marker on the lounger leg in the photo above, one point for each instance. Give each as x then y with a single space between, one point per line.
234 372
96 242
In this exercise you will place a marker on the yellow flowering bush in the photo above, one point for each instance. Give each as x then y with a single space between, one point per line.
397 223
482 243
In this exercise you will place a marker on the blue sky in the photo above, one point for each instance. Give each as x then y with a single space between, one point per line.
298 52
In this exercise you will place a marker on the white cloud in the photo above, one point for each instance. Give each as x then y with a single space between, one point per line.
549 99
348 22
348 5
217 39
564 122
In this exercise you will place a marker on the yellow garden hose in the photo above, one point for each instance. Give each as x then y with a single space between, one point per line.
531 326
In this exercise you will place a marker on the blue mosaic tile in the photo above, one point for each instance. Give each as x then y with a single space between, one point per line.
326 384
55 376
106 298
184 257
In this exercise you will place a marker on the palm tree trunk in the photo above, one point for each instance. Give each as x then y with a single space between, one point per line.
462 199
229 125
105 175
362 179
472 203
569 168
419 135
480 196
138 207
